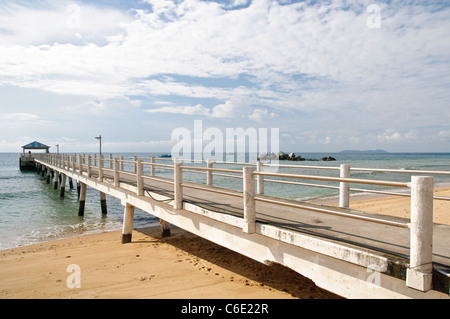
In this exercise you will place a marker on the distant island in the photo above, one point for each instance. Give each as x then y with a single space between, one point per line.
363 152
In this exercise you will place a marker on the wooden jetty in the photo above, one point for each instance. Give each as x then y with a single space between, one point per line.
352 253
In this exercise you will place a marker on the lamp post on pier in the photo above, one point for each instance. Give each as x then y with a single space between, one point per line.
99 138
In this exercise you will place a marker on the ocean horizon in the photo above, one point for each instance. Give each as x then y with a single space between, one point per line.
31 211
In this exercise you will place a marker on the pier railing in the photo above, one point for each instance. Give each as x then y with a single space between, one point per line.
137 170
128 166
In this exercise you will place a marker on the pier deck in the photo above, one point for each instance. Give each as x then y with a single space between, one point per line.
353 257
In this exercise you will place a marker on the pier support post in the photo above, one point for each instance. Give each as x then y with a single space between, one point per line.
49 174
103 203
344 187
55 185
78 189
178 190
260 178
419 273
70 182
63 185
165 230
82 201
128 215
249 201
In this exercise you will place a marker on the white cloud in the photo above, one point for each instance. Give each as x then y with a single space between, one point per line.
11 119
226 110
444 135
393 136
185 110
19 117
221 111
267 40
50 22
259 115
390 135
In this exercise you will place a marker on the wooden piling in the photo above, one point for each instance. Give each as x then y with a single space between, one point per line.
103 203
70 183
78 189
63 185
165 230
55 185
128 215
82 201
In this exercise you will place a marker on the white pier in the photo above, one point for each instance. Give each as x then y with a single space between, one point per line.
351 253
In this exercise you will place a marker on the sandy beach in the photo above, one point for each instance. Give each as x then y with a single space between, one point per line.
181 266
401 206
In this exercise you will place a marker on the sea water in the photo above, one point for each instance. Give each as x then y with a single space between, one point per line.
32 211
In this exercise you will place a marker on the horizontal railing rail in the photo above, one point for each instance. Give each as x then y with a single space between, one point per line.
89 163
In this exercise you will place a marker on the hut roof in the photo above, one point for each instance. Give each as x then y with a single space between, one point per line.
36 146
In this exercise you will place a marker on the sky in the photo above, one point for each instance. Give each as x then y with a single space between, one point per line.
329 75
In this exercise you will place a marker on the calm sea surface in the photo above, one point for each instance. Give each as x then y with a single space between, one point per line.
31 211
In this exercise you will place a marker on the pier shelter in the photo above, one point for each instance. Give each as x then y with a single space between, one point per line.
26 160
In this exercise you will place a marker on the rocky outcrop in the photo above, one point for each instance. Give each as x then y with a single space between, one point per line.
289 157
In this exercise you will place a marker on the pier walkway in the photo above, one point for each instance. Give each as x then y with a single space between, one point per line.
352 253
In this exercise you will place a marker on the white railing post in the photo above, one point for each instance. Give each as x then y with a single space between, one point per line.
153 166
419 273
260 178
209 173
89 166
178 190
79 162
135 163
139 181
116 172
100 168
344 187
249 201
121 162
